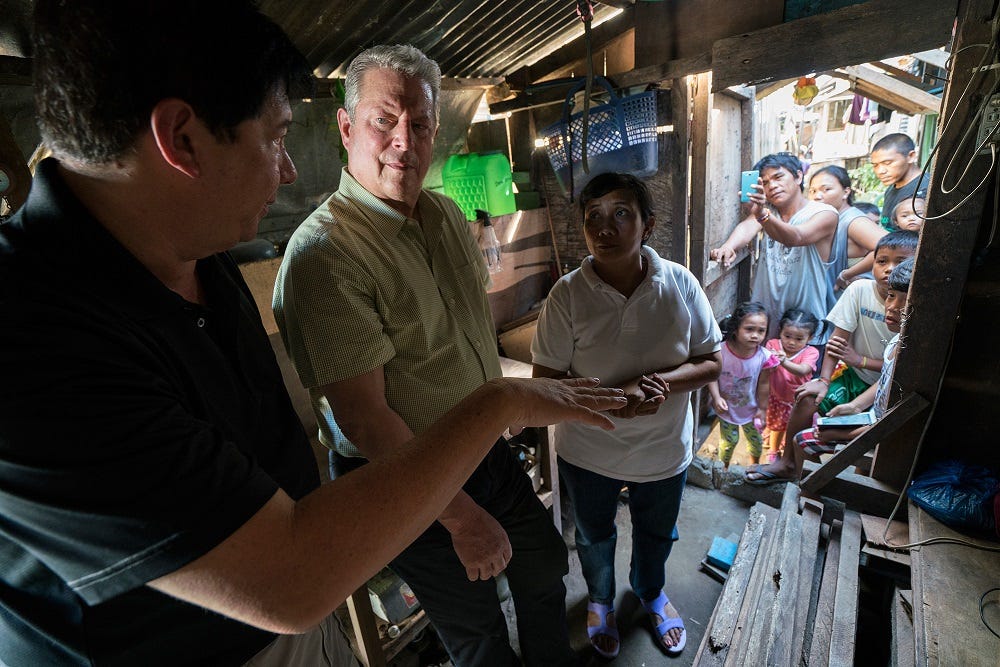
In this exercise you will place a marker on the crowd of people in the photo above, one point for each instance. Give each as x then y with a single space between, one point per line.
844 310
161 503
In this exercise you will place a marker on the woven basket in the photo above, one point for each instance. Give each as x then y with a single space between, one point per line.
621 136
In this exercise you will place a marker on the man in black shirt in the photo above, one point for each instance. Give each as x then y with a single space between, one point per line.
159 503
894 158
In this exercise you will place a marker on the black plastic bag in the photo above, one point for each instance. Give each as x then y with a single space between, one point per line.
957 495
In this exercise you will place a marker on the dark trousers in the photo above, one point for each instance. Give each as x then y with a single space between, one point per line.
467 614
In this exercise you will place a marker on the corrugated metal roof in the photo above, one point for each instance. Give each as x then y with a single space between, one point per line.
468 38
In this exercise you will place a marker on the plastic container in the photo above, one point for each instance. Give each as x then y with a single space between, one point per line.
479 181
621 136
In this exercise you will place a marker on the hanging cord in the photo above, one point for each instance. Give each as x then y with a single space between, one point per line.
585 10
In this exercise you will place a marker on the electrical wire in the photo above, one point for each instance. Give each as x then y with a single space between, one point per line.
973 123
982 611
913 467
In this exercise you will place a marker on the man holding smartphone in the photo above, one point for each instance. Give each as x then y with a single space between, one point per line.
798 241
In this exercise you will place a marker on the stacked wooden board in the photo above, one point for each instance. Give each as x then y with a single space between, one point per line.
792 592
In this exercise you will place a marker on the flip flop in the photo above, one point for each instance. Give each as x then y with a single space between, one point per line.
657 608
602 611
765 478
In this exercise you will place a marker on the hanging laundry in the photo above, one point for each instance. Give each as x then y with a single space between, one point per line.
861 111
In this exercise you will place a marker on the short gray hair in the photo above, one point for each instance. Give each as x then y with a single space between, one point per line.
403 58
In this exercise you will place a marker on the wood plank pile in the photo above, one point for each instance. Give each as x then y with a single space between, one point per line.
792 593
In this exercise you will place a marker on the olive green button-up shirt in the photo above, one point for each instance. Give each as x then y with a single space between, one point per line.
362 286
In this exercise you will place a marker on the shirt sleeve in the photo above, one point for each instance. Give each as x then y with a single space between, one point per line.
846 311
325 306
705 337
809 355
107 473
553 343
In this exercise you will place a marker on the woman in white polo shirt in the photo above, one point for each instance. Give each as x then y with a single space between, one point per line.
644 324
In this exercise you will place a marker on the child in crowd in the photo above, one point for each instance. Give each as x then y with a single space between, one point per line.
740 395
854 352
816 441
797 362
894 158
873 212
909 214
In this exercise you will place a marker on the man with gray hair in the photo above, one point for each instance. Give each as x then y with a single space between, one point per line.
381 301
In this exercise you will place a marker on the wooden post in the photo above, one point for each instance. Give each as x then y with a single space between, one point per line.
945 252
702 102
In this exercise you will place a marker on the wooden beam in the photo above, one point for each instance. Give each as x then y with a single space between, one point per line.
910 407
701 111
845 606
946 245
858 492
892 92
673 69
858 33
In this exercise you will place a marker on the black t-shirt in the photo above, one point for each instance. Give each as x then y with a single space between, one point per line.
894 195
137 432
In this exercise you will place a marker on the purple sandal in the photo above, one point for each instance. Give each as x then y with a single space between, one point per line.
656 608
602 611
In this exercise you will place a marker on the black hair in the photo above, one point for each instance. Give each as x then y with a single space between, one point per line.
901 239
785 161
602 184
899 142
899 279
100 66
800 319
842 177
867 207
731 323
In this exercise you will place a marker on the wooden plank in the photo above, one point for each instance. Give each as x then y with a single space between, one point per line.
761 56
745 620
716 641
845 606
874 529
901 646
672 69
698 215
676 165
810 563
859 492
946 248
369 644
822 625
907 409
765 603
898 94
948 580
791 581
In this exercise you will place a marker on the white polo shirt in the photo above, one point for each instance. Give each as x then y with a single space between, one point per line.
589 328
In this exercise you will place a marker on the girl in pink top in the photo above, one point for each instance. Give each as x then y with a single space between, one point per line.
740 395
796 364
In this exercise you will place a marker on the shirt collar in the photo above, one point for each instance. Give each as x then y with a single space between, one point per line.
385 218
654 271
68 236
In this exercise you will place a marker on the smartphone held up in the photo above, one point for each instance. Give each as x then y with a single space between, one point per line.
748 179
